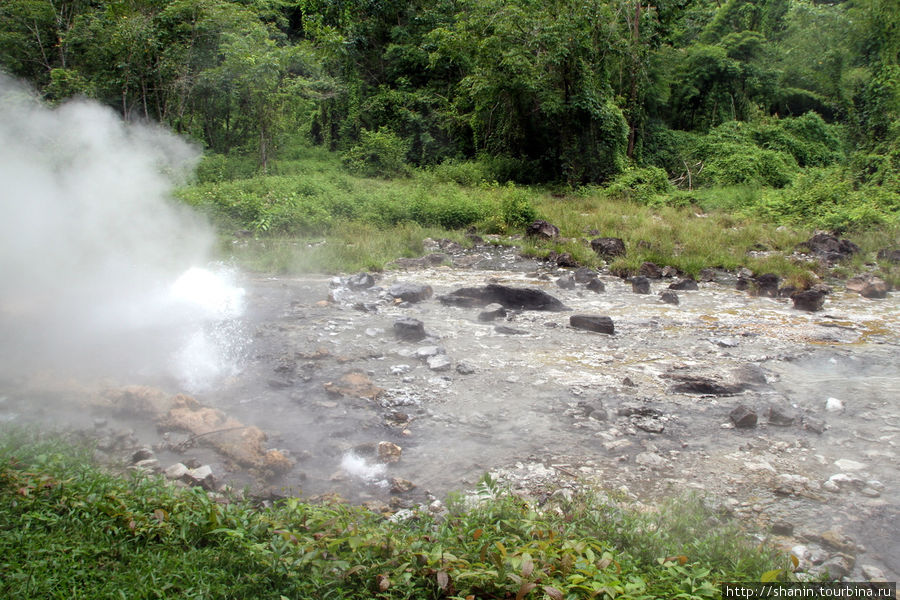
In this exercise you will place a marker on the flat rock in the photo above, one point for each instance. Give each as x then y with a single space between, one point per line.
596 323
508 297
176 471
409 291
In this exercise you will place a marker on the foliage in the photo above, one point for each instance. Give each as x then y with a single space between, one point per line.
67 528
378 153
640 185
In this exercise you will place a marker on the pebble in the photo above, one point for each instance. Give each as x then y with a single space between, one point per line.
834 405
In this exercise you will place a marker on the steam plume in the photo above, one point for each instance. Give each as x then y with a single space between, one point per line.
91 239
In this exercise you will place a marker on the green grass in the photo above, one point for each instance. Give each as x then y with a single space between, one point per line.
70 530
281 219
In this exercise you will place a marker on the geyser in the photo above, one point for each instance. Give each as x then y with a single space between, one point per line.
101 270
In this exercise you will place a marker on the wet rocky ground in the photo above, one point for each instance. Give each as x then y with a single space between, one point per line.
396 390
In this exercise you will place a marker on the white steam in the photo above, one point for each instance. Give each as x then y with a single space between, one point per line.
92 244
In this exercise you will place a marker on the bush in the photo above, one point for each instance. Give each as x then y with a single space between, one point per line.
516 209
731 163
640 185
379 153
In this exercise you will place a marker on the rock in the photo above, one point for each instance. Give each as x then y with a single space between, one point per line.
562 260
828 247
695 384
426 352
684 284
766 285
460 301
608 247
845 464
870 492
354 384
585 275
650 270
202 476
838 541
464 368
836 567
509 297
504 330
780 417
176 471
599 324
649 424
669 297
782 528
814 424
567 282
401 486
542 229
872 573
409 291
650 459
868 286
889 254
640 285
833 405
708 275
595 285
360 281
141 454
725 342
809 300
388 452
491 312
409 330
742 284
743 417
439 362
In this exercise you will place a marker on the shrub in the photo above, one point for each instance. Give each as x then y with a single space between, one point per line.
516 209
639 185
379 153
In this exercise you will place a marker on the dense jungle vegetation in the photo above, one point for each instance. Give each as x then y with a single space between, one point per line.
780 111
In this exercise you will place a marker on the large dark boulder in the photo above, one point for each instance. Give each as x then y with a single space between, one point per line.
409 330
542 229
592 323
829 247
640 285
809 300
669 297
608 247
596 286
766 285
410 292
684 284
585 274
509 297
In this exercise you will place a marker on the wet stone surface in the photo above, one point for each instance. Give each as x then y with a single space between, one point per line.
544 406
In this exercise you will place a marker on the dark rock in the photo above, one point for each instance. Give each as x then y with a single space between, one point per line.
782 528
835 568
694 384
814 424
509 297
628 382
464 368
632 409
743 417
592 323
608 246
780 417
748 375
562 260
669 297
809 300
766 285
461 301
595 285
890 255
410 292
409 330
566 282
585 275
650 270
786 291
491 312
141 454
829 247
640 285
542 229
649 424
708 275
360 281
509 330
684 284
669 272
742 284
475 239
868 286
